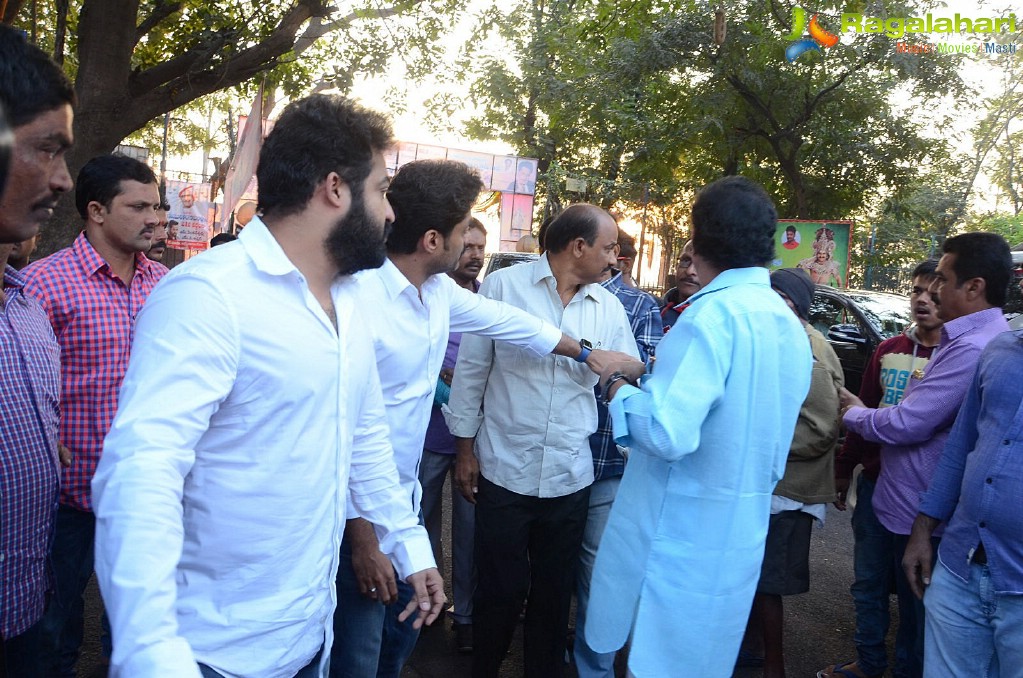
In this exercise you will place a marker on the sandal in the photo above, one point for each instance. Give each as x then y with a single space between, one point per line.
844 670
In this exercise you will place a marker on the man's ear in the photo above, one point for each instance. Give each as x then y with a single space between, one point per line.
336 191
431 241
578 247
96 211
976 288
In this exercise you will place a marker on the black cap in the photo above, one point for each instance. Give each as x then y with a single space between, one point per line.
795 284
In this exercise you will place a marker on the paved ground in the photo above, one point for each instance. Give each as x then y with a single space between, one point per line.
818 625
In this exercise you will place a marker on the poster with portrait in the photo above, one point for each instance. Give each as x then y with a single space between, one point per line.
516 218
504 174
821 248
525 176
190 215
483 163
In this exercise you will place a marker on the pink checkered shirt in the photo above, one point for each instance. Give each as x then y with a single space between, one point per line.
93 315
29 470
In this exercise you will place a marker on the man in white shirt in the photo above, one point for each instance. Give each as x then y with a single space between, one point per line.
531 419
412 306
250 410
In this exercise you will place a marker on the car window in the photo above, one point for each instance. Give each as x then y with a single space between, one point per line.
888 313
825 312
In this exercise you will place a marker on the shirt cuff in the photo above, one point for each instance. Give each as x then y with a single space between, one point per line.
460 425
546 339
857 419
616 409
413 553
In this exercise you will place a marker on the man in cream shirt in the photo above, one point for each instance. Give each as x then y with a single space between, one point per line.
532 468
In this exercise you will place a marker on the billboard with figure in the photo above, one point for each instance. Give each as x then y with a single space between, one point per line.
821 248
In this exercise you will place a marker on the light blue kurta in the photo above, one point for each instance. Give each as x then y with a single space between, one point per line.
709 434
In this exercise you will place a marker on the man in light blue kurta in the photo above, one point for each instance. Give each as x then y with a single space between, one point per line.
709 431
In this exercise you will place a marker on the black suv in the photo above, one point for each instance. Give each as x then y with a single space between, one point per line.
855 322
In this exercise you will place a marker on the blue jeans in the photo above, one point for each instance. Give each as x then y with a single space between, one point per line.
311 670
971 629
873 572
909 639
588 663
368 638
71 558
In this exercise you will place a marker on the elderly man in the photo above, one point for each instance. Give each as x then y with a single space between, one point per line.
531 417
709 432
687 283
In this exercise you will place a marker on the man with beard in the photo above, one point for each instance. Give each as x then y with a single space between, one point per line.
415 306
251 411
687 283
969 288
92 291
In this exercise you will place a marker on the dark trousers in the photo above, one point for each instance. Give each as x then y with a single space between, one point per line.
525 546
72 561
23 656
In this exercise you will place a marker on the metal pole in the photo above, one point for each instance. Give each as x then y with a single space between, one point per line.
163 154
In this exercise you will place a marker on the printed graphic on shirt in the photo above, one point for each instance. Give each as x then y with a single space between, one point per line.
896 371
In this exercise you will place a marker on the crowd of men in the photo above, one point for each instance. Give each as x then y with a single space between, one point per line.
249 451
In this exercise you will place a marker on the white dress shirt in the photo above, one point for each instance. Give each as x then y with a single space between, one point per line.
221 493
534 435
410 334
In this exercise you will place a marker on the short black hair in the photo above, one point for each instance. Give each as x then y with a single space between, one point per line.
926 268
30 82
577 221
100 179
790 227
313 137
734 222
982 255
429 195
221 238
626 245
541 233
477 224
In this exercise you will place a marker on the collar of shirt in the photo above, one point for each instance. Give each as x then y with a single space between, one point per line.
754 275
395 282
13 279
613 284
91 261
954 329
542 271
265 251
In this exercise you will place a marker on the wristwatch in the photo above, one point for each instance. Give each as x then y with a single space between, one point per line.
586 347
613 379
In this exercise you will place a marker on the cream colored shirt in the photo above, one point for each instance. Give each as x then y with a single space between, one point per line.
534 415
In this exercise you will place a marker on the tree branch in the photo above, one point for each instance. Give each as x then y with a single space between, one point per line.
161 11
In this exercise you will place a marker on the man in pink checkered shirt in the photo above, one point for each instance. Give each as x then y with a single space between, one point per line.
92 292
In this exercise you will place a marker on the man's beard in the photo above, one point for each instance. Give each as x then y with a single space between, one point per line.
356 243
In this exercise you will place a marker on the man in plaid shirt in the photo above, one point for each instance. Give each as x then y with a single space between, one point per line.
92 292
37 100
608 462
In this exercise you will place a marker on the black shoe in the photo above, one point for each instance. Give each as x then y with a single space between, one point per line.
463 638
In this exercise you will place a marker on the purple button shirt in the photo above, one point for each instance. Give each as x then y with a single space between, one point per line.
29 468
913 433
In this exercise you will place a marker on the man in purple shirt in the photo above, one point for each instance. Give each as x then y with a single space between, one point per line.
37 99
439 459
969 289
